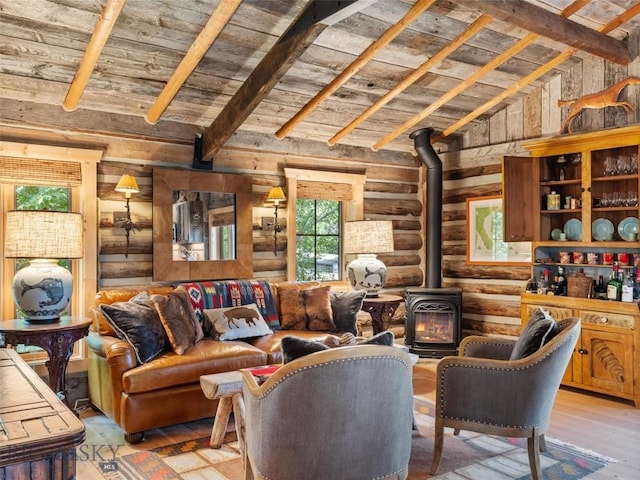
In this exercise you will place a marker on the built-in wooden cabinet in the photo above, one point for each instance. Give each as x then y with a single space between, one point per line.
605 359
595 176
596 169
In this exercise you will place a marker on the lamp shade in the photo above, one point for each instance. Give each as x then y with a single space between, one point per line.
367 238
127 185
43 234
276 195
43 289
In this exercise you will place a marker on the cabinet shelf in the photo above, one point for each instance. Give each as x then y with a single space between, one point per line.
609 178
559 183
575 211
580 265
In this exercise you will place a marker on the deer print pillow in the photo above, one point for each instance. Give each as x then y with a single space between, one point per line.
231 323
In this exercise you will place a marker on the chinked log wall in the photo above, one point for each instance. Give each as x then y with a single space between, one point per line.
491 294
391 192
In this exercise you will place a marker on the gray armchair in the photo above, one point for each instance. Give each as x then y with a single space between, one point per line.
483 391
341 413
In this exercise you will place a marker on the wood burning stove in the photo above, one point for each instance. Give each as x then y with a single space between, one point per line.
433 326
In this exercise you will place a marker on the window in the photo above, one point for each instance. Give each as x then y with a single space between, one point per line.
318 233
318 204
41 198
60 178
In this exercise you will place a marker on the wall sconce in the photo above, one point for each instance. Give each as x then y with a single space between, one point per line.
276 195
42 289
127 185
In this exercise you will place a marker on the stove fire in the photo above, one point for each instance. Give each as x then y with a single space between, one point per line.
434 318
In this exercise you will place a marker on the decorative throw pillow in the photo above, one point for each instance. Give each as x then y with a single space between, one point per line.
345 307
242 321
293 347
178 319
306 309
383 338
137 322
540 328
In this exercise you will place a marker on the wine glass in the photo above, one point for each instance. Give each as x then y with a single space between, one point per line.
609 166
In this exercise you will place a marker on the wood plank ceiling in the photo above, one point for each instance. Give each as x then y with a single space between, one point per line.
363 73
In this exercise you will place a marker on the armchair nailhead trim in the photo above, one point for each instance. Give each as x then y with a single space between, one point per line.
440 403
342 360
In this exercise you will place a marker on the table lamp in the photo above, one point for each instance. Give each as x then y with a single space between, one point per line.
43 289
366 238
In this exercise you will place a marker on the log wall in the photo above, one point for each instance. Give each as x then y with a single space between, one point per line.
492 293
393 190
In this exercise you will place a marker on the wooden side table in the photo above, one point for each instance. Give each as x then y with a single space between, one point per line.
381 309
227 388
56 339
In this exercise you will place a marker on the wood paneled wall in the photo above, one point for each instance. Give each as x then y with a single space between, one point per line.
492 293
394 190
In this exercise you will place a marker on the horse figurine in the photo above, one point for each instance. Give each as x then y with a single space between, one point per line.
605 98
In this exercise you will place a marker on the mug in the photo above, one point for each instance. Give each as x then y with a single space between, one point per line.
592 258
607 258
578 258
623 259
565 258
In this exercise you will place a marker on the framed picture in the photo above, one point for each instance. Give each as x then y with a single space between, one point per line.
485 244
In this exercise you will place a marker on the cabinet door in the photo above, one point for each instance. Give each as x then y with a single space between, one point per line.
520 202
607 361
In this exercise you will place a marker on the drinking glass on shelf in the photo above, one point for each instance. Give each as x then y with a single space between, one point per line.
605 201
609 166
622 165
632 199
615 199
633 160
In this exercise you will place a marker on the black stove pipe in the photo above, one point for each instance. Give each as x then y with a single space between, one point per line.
433 218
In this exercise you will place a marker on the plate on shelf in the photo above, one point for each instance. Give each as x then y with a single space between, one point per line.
628 229
573 229
555 234
601 229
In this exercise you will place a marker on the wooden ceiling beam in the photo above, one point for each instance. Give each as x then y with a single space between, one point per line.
616 22
462 86
201 45
96 44
273 66
355 66
416 75
550 25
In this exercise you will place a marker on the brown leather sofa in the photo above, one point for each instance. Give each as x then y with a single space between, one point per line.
165 390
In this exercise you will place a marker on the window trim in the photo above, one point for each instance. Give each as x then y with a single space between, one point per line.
351 209
83 199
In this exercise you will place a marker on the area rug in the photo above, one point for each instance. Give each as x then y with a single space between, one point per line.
468 456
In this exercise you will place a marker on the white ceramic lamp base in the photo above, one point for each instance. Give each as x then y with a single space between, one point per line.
42 290
367 273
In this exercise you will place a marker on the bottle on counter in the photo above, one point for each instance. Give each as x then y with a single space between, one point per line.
561 282
601 291
627 289
543 282
614 286
636 284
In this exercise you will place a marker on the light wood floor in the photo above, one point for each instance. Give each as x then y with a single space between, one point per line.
605 425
